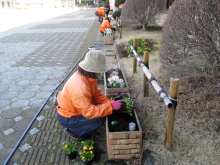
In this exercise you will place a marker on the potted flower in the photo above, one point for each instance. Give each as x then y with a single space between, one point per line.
108 35
86 151
114 81
108 31
71 148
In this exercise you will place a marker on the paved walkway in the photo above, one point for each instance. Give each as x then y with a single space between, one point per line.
35 58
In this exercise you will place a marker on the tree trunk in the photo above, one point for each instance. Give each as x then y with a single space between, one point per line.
144 27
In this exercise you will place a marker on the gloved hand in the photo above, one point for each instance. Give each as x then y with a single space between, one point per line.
116 105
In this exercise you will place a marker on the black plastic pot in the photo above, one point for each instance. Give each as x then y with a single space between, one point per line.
88 162
72 156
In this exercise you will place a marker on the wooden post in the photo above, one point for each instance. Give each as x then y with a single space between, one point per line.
134 60
146 86
117 24
174 85
120 29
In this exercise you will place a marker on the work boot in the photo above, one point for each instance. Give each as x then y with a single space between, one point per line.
72 134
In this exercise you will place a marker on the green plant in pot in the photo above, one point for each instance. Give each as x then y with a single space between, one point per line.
101 76
128 102
86 151
71 148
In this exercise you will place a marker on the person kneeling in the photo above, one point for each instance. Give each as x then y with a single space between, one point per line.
82 108
105 24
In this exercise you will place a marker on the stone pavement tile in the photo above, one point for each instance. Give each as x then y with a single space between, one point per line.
11 113
11 140
4 102
31 112
2 136
4 154
26 94
6 124
19 103
22 125
15 88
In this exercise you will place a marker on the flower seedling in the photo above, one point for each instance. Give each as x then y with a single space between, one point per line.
101 76
86 152
142 46
114 80
108 31
70 147
129 103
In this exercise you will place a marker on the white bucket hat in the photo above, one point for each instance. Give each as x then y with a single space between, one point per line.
94 62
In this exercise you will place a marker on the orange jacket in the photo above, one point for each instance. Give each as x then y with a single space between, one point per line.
76 97
104 24
101 11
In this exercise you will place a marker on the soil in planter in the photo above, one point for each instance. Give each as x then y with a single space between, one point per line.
122 119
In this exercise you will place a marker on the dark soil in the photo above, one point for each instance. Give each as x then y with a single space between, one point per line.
123 120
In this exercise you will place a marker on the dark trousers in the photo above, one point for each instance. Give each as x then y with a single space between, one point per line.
81 125
100 18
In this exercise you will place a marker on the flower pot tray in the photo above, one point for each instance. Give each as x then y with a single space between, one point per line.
110 90
125 144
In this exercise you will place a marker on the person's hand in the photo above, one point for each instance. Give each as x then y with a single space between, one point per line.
116 105
114 29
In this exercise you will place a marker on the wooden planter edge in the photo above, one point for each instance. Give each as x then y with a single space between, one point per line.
128 132
116 90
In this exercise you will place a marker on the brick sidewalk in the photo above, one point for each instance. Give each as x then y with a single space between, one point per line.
41 144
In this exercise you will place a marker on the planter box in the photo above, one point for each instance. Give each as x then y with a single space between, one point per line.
109 90
124 145
108 40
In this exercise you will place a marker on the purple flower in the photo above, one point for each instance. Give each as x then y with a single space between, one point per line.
119 93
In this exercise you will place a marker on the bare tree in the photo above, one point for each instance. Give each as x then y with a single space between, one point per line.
190 40
140 11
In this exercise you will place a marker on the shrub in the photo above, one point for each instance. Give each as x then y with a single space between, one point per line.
106 4
190 40
119 2
117 13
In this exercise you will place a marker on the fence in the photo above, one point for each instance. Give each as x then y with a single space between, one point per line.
170 102
119 26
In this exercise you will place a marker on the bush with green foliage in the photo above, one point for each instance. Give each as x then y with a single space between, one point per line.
106 4
119 2
117 13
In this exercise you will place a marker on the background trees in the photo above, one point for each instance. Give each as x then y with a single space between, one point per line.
190 40
119 2
140 11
